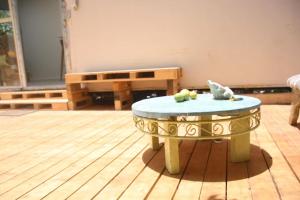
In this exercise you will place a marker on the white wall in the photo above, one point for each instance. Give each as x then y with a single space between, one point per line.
235 42
41 28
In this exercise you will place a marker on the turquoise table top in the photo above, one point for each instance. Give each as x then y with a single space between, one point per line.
163 107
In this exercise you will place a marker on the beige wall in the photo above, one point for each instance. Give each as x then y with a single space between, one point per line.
235 42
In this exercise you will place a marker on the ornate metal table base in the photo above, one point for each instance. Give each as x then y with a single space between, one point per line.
236 127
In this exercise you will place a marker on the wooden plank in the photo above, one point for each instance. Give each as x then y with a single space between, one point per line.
120 86
73 87
237 179
192 179
123 95
59 106
123 75
33 94
172 86
52 158
33 101
38 142
286 181
117 80
292 141
105 173
66 168
166 74
121 105
167 184
77 94
19 141
79 103
140 187
43 154
20 126
286 137
83 183
118 185
260 179
215 176
50 104
128 70
73 78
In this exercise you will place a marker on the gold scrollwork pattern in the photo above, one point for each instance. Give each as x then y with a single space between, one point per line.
192 129
195 128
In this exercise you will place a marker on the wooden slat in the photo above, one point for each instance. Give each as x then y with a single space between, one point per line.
120 86
124 75
237 180
33 101
140 187
258 172
86 143
104 176
93 170
18 143
93 151
131 70
50 139
115 188
92 154
167 184
215 175
24 171
286 137
192 179
33 94
286 181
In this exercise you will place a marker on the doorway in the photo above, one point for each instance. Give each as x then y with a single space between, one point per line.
42 42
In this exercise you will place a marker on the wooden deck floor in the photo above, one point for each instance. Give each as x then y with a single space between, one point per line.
100 155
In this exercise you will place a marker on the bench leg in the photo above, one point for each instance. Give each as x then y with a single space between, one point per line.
240 145
172 87
294 109
172 154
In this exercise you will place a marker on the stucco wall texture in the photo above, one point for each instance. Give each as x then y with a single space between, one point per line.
235 42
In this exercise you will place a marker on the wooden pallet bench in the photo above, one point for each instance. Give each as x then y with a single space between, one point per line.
121 84
38 104
125 75
77 96
34 94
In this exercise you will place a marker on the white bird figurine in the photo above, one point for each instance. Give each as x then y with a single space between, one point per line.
219 91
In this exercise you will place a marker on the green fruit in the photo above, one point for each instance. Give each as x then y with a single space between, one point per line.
186 94
193 95
187 97
179 97
185 91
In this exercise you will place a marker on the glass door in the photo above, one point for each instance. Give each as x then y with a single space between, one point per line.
9 70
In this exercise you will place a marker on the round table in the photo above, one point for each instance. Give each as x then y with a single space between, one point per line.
203 118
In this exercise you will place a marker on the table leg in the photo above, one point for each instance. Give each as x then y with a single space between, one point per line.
206 129
154 141
172 150
240 145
